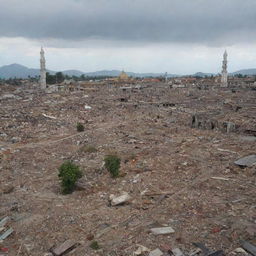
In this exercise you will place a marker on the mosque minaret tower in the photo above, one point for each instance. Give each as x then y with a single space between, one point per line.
224 73
42 70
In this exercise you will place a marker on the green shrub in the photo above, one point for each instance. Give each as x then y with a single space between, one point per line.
95 245
69 173
112 163
79 127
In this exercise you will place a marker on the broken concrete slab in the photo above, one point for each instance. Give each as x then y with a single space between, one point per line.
177 252
141 249
240 250
246 161
162 230
118 200
8 96
156 252
68 245
248 138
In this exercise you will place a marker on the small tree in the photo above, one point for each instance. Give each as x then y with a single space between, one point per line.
112 163
59 77
50 79
79 127
69 173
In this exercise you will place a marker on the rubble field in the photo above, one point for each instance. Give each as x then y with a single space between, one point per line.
178 149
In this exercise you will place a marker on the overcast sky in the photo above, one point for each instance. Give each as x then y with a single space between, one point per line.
177 36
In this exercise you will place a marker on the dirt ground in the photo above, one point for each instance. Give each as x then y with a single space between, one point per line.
176 175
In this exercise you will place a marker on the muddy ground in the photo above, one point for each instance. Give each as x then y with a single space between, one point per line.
168 168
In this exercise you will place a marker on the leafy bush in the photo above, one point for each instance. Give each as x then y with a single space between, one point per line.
112 163
69 173
79 127
95 245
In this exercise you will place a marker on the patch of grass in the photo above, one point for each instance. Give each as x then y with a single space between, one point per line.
79 127
69 173
95 245
88 149
112 163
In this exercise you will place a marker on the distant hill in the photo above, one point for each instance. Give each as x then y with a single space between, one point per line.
72 72
150 74
20 71
248 72
103 73
132 74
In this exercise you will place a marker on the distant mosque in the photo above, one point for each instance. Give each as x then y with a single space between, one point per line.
123 76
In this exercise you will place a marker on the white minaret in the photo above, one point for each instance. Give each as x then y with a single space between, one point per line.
42 70
166 77
224 73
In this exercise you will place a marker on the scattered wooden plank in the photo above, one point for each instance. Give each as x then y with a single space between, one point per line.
206 251
166 193
51 117
6 234
162 230
65 247
220 178
249 247
226 150
217 253
4 221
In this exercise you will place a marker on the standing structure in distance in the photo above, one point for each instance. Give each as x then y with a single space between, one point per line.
166 77
42 70
224 73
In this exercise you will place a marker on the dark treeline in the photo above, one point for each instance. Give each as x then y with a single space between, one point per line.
59 77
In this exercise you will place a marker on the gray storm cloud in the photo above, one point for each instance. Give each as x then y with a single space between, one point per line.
186 21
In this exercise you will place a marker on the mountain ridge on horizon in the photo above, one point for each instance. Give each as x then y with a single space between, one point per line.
20 71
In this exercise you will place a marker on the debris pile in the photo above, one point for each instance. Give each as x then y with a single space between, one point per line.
176 184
